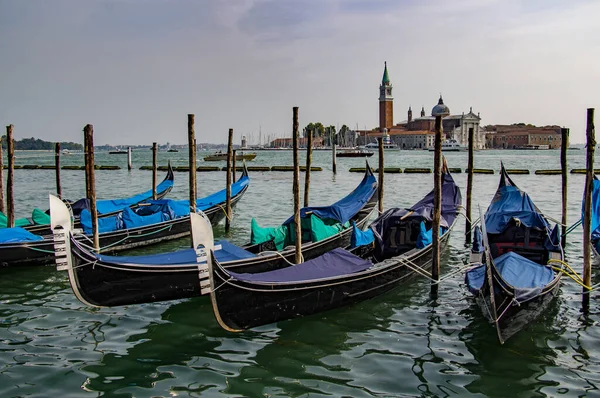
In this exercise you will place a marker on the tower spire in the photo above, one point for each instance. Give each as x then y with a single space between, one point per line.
386 78
386 101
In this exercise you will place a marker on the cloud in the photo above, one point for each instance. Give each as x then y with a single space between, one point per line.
135 68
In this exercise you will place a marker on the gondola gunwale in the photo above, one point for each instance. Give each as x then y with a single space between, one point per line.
135 267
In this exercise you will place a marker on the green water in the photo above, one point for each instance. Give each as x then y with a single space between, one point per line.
399 344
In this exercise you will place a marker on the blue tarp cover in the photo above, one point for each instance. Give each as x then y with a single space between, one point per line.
228 252
425 235
477 240
344 209
133 220
156 211
361 238
17 234
112 205
475 278
337 262
510 202
221 196
522 273
105 224
595 210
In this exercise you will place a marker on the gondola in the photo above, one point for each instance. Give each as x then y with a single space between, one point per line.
401 248
39 223
101 280
145 225
516 252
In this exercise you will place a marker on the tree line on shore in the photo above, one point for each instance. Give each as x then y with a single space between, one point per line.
37 144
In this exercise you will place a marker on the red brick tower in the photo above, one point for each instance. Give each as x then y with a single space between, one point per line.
386 102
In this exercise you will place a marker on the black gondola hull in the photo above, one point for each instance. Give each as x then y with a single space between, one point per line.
114 285
239 305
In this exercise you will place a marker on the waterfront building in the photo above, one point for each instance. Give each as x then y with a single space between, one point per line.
522 136
419 133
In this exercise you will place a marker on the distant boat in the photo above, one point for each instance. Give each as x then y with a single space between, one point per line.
531 146
66 152
173 150
220 156
450 145
375 145
354 153
119 151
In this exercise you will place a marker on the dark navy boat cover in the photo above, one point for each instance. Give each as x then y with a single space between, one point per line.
228 252
422 211
337 262
17 234
510 202
344 209
451 200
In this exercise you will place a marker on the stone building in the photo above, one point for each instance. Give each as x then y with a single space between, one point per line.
418 133
521 136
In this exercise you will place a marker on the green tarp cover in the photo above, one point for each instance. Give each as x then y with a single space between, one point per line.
19 222
313 230
38 217
259 234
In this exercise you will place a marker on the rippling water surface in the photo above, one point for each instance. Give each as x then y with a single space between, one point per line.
400 344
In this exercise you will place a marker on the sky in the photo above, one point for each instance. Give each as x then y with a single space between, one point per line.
135 68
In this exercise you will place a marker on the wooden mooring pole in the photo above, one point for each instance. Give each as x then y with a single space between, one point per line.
233 166
468 225
309 144
437 207
57 167
2 209
90 182
296 188
154 167
587 207
10 178
192 161
129 165
228 182
563 164
333 157
380 179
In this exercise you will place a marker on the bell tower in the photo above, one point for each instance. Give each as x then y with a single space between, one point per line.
409 114
386 102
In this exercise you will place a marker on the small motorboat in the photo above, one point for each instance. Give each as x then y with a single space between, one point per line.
222 156
354 153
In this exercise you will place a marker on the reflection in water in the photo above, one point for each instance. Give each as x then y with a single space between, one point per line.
399 344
